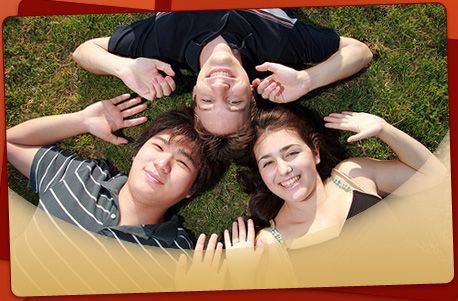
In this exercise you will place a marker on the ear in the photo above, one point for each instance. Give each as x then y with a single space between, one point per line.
189 195
133 158
316 154
193 91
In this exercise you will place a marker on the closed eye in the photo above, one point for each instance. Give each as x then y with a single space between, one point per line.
158 147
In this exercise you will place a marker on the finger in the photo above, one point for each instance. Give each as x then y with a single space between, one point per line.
115 139
120 98
263 85
335 125
275 94
157 87
272 67
218 253
356 137
235 234
227 239
251 232
200 244
128 103
166 89
255 82
198 251
167 68
171 83
211 246
134 110
133 122
268 90
242 229
182 265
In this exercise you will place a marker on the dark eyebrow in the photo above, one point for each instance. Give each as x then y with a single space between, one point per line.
282 150
187 155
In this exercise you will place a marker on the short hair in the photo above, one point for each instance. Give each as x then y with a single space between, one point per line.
227 147
180 122
264 205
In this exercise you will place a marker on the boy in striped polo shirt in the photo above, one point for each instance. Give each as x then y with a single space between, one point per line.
168 166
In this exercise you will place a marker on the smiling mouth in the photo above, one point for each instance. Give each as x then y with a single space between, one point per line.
220 72
153 177
290 182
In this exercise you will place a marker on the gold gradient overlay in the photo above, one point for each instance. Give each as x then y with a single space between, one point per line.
401 240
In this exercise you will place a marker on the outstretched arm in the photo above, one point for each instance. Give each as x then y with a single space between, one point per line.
100 119
287 84
141 75
415 160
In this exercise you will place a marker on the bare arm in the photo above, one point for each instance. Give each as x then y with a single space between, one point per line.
287 84
101 119
415 161
141 75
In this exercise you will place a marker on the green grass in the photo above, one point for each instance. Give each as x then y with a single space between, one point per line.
406 83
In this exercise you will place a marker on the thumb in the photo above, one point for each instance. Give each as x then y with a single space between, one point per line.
113 139
166 68
267 67
356 137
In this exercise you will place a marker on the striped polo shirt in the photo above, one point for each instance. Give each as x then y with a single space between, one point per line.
261 35
84 193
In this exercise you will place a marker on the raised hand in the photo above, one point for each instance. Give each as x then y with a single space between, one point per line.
284 85
240 237
142 76
242 256
105 117
364 124
205 271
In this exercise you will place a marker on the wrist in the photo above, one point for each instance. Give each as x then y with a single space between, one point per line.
80 121
123 67
305 80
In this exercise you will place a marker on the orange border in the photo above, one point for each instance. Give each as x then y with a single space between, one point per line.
430 292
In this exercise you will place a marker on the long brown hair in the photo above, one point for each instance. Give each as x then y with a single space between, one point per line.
264 205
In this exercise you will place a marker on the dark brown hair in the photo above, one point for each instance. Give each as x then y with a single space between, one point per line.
224 148
264 205
179 122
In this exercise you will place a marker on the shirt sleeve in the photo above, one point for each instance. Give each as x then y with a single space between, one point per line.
134 40
47 166
310 44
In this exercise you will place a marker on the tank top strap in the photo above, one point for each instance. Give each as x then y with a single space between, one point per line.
355 184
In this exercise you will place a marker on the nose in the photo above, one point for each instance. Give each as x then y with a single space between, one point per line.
283 168
220 86
163 162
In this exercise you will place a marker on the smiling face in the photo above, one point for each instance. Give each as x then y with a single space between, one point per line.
287 165
163 170
222 94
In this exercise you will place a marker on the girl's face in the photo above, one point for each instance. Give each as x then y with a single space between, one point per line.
287 165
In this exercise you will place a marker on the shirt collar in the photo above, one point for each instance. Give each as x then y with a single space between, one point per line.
165 232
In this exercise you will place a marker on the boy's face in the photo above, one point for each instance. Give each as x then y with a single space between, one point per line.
223 95
163 171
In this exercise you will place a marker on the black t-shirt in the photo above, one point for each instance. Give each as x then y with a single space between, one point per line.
261 35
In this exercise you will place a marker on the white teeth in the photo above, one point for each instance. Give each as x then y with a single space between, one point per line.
290 182
218 73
